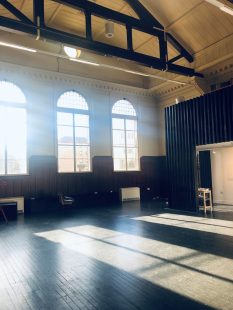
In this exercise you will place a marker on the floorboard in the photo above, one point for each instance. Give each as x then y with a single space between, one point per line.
130 256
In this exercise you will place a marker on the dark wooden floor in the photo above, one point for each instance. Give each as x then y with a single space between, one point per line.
135 256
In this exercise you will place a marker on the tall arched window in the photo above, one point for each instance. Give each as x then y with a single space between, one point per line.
13 130
124 135
73 133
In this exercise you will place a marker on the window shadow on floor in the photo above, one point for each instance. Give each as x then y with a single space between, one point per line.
50 276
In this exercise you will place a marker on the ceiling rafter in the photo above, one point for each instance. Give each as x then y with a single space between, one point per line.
144 14
55 13
11 8
39 28
22 5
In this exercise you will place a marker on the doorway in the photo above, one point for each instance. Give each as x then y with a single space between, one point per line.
215 171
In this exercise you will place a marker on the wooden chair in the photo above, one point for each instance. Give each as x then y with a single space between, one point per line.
65 200
3 184
3 213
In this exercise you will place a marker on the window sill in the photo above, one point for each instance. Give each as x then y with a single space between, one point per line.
81 172
123 171
14 175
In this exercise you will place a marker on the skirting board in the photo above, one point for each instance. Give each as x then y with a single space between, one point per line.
223 202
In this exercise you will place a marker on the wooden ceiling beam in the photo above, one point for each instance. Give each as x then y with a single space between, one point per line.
15 11
54 14
38 28
144 14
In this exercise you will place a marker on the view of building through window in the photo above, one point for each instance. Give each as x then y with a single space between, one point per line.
73 133
13 130
124 135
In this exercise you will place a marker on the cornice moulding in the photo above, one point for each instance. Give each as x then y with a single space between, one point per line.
45 75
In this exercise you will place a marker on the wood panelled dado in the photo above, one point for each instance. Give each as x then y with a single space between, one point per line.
43 180
204 120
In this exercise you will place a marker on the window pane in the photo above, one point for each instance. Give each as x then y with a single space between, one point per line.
131 124
72 100
2 117
132 153
16 151
2 166
16 116
13 131
66 152
132 164
118 138
119 164
9 92
76 132
15 126
82 152
81 135
132 159
2 150
65 165
118 123
15 137
119 152
131 138
65 135
2 157
123 107
64 118
16 166
81 120
82 158
119 158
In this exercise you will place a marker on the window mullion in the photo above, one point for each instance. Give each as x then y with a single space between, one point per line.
5 140
126 157
6 158
74 146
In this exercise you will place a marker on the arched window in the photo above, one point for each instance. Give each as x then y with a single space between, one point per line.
13 130
124 136
73 133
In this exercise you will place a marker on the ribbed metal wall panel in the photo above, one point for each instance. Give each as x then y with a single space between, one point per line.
204 120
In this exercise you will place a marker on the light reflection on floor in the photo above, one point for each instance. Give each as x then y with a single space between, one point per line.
190 222
183 270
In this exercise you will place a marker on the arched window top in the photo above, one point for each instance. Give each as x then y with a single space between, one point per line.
9 92
123 107
72 100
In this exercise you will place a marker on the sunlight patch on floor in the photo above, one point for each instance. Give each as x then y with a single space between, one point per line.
190 222
184 271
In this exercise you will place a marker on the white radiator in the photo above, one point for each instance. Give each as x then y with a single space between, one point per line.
129 193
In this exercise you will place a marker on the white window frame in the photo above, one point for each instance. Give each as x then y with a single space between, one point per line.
18 105
125 118
74 111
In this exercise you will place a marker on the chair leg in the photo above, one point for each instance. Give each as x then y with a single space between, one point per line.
4 215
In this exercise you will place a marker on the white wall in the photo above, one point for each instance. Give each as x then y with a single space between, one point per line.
222 175
43 88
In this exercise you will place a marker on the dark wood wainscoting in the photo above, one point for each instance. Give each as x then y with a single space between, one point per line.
200 121
43 181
